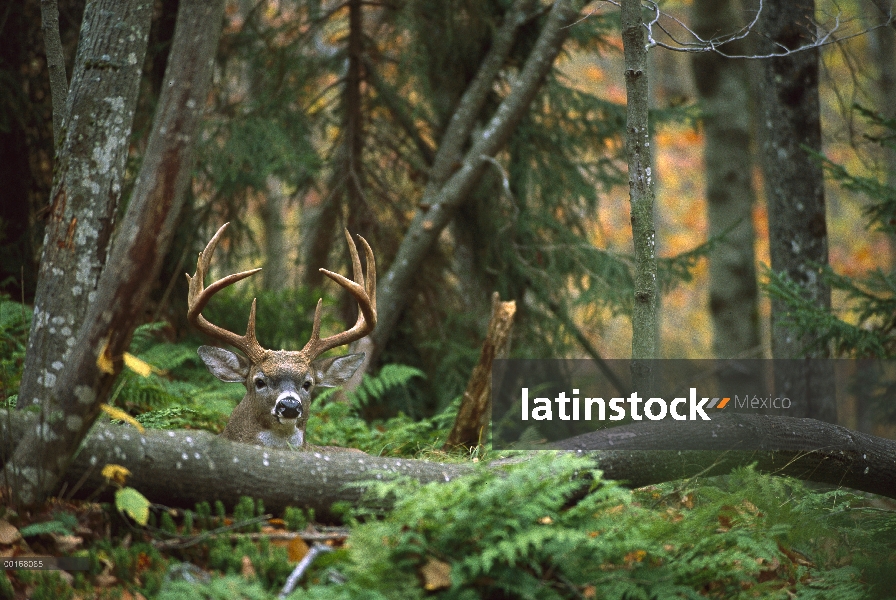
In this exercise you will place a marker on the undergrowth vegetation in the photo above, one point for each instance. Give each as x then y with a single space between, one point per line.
549 527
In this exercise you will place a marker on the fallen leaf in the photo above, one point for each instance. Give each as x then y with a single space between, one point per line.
133 503
66 543
436 575
105 580
8 533
296 550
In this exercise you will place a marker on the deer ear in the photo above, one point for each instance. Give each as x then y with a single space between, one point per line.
224 364
330 372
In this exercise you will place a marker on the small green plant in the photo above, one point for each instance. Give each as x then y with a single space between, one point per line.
178 392
15 322
518 535
341 424
46 585
62 523
374 388
223 588
297 519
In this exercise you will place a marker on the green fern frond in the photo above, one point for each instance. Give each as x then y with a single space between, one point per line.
374 387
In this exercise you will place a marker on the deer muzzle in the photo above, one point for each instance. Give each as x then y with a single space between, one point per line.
287 407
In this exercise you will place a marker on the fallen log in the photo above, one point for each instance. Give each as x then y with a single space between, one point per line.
181 468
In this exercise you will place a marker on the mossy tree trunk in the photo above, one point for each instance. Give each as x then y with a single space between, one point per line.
92 145
70 408
642 196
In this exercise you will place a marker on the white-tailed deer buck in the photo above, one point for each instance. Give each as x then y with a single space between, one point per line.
279 383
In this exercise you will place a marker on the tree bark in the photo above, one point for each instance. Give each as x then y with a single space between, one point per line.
49 13
882 48
71 407
474 414
448 189
723 86
89 173
794 186
806 449
359 217
642 196
275 272
346 182
181 468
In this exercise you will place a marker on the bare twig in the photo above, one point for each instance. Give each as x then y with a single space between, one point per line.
300 569
337 534
824 35
188 541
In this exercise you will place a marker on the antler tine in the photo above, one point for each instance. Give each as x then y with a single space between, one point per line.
363 291
199 296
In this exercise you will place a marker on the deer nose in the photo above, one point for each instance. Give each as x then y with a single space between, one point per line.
288 408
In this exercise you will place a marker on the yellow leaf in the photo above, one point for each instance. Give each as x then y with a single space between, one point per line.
117 413
436 575
136 365
104 361
133 503
116 473
296 550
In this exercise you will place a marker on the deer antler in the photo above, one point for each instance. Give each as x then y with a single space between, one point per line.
199 295
364 293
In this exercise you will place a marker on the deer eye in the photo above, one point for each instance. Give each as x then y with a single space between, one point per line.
306 386
260 384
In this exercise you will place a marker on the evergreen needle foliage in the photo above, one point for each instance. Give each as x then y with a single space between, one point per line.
516 535
866 328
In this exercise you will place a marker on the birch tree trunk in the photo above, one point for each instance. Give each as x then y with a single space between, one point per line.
642 196
71 406
95 133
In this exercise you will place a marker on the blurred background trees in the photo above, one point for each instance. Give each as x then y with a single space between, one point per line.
326 115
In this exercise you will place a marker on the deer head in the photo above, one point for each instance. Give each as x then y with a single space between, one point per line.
279 383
